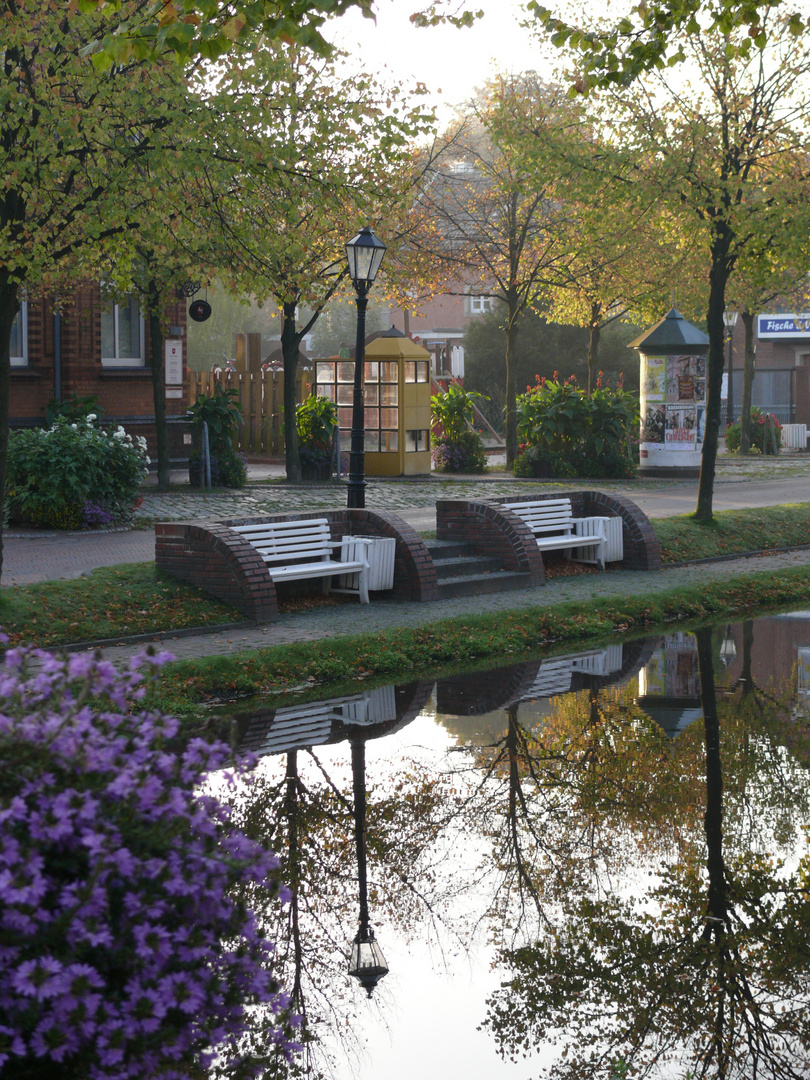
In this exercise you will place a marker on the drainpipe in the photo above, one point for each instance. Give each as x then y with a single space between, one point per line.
57 356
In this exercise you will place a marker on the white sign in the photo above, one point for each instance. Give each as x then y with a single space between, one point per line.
174 364
774 327
172 393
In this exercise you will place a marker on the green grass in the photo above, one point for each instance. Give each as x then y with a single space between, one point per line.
733 532
135 599
469 641
111 602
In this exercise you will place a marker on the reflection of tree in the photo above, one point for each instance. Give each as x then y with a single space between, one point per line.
306 815
709 970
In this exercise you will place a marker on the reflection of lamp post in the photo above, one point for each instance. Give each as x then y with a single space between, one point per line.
366 963
364 253
728 648
730 320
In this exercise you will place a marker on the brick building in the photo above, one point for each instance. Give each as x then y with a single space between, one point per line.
92 347
782 370
439 327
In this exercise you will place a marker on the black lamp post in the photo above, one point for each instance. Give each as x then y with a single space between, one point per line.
730 319
364 253
366 963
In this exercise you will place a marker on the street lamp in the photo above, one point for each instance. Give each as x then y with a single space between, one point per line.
730 320
364 253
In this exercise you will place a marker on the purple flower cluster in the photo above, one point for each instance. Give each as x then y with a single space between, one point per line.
95 516
126 948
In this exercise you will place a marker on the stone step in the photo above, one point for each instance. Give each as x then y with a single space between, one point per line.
476 584
448 549
465 566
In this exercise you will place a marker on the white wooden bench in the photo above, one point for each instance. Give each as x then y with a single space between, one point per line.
297 550
554 527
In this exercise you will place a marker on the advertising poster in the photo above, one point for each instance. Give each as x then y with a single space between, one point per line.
686 379
681 426
655 378
654 424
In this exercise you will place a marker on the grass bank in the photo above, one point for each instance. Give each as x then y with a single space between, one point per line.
469 641
114 602
733 532
111 602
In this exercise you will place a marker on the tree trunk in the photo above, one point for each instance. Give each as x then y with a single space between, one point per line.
9 306
595 334
511 382
158 390
748 382
290 340
718 276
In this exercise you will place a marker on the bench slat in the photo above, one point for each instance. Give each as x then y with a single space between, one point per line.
297 550
553 524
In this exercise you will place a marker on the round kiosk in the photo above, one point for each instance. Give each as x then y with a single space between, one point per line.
672 392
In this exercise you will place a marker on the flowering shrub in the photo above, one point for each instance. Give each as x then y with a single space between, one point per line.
72 475
574 434
125 951
465 453
457 447
760 437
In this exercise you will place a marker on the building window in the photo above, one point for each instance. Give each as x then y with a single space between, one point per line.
122 335
416 441
19 337
335 380
481 304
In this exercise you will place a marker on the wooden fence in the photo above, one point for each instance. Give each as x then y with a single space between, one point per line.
261 396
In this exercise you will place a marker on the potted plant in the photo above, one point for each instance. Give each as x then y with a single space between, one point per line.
316 422
223 415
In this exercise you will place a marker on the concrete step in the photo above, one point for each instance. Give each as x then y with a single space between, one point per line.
476 584
465 566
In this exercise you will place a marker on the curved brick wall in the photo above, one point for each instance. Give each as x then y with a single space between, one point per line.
641 549
214 558
491 530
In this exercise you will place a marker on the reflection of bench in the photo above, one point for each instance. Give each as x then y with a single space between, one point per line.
297 550
555 528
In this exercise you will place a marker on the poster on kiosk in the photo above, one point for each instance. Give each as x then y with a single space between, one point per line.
672 390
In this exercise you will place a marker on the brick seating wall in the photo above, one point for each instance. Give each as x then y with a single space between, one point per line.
496 531
213 558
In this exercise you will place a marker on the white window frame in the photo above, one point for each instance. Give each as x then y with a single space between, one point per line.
22 315
480 304
125 361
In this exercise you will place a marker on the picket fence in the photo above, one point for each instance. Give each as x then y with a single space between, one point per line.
261 395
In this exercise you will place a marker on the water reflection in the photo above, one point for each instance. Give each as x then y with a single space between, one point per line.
621 831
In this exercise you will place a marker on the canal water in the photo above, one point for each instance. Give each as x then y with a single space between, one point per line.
586 865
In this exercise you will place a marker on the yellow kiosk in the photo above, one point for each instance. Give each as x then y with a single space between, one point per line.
397 403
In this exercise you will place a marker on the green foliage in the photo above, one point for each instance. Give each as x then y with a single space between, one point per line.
458 447
761 426
541 348
316 421
591 435
223 415
74 408
73 474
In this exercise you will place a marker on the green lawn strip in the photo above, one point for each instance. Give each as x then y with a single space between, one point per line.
135 599
733 532
115 601
471 640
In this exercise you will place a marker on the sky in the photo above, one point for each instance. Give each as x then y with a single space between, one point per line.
450 62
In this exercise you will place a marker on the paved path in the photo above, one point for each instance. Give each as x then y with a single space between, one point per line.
28 559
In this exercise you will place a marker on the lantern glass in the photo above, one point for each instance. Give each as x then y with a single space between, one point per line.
364 253
367 963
